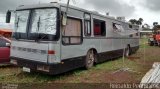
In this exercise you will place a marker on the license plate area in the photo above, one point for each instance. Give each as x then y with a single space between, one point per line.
25 69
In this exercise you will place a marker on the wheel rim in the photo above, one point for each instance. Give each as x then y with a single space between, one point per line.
127 52
90 58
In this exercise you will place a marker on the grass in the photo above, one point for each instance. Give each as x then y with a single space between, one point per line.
97 74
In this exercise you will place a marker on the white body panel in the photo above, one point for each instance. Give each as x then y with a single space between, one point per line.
30 50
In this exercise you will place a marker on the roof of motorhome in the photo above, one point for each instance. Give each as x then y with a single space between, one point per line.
49 5
45 5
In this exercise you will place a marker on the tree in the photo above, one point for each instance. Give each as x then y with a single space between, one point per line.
146 27
140 21
155 24
133 21
137 22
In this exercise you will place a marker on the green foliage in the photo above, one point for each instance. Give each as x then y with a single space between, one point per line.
137 22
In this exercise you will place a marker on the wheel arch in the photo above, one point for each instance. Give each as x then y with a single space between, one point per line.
96 54
128 45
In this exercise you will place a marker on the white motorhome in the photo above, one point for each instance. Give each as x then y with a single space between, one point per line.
41 43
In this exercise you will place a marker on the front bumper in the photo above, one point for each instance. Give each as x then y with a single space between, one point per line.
51 69
35 66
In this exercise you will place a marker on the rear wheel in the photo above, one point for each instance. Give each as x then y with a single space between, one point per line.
127 51
90 59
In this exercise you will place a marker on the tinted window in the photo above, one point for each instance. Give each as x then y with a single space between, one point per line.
99 27
3 43
117 27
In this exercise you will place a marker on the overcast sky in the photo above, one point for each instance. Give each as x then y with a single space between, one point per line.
149 10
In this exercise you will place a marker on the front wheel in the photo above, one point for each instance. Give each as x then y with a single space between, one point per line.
90 59
151 43
158 43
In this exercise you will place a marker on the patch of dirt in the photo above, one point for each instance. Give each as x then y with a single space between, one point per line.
118 77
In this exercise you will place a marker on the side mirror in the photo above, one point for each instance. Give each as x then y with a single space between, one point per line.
64 19
8 16
8 44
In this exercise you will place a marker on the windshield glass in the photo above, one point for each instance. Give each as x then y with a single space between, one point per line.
21 21
44 21
37 24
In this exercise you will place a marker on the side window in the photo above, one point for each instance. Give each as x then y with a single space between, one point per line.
72 32
117 27
2 43
99 27
87 24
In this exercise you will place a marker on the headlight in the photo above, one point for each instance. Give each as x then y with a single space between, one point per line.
13 61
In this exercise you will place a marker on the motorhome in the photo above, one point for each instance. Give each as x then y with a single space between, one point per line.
50 39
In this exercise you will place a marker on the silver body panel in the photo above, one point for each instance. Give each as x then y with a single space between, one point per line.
30 51
112 41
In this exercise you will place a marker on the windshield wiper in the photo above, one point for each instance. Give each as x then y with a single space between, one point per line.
38 23
17 22
16 35
43 36
38 26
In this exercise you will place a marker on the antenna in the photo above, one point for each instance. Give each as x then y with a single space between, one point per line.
67 6
74 2
64 20
55 1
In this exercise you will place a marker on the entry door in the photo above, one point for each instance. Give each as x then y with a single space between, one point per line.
4 51
72 39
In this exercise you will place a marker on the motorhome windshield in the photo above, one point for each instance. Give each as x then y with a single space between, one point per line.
44 21
36 24
21 21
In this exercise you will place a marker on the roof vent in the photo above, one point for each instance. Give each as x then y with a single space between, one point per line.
53 2
21 5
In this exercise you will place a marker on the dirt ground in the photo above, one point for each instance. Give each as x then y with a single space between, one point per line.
109 72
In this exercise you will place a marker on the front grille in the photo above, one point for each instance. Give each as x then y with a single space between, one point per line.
37 51
34 51
29 50
24 49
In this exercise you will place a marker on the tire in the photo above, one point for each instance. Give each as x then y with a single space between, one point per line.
158 44
151 43
127 51
90 59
